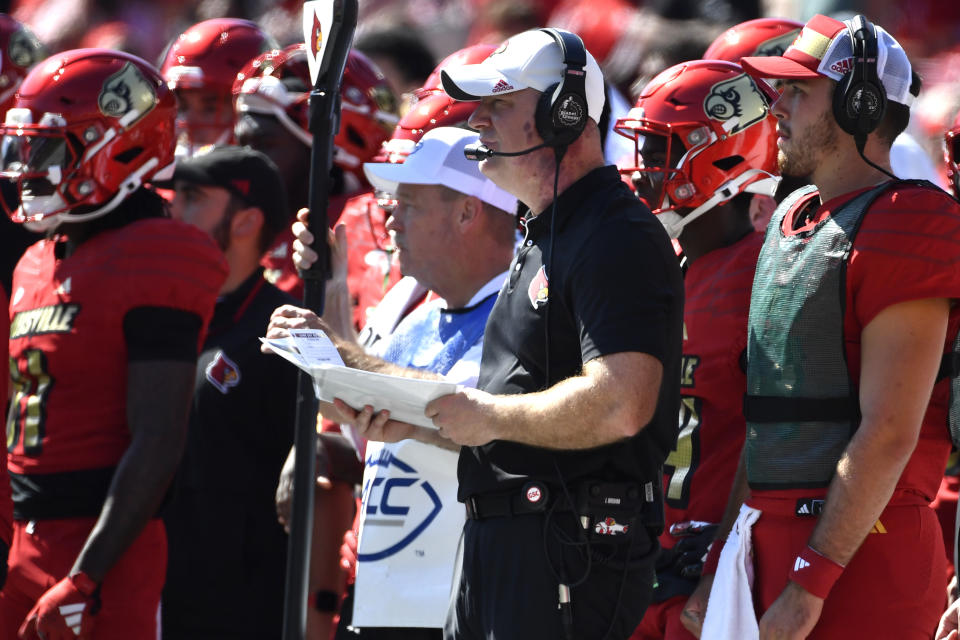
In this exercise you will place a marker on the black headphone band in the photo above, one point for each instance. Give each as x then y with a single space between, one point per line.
574 53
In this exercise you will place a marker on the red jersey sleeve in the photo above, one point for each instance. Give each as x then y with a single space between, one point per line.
908 248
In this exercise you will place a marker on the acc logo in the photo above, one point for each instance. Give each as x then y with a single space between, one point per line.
223 372
125 91
842 66
776 46
396 500
538 291
736 98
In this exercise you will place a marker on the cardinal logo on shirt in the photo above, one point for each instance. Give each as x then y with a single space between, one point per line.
538 290
223 372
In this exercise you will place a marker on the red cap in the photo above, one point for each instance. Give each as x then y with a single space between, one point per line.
803 58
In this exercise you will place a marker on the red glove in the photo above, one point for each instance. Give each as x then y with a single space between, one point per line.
65 612
348 551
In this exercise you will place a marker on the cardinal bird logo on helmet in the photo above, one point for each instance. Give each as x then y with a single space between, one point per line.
125 91
736 98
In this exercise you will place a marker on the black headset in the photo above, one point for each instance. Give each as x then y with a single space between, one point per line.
562 111
860 101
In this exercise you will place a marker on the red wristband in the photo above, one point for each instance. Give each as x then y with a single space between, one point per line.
713 558
815 572
83 583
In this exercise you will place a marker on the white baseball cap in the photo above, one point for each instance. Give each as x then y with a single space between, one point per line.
824 49
438 160
532 59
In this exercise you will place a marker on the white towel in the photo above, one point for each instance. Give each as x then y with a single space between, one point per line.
730 614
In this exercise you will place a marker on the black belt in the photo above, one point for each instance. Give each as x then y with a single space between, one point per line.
533 497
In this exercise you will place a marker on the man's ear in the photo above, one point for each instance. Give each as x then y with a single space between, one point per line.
246 223
470 210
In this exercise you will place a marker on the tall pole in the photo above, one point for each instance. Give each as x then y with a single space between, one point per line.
328 27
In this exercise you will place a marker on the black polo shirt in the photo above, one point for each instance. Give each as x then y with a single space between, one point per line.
615 286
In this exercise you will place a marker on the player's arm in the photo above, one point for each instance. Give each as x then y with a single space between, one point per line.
160 377
901 351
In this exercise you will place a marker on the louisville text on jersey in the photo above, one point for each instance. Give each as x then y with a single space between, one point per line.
57 318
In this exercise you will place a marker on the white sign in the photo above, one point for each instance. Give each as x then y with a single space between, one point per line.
317 23
409 533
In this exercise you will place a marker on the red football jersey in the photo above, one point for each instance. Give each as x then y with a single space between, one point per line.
67 347
277 262
6 501
699 472
906 249
370 267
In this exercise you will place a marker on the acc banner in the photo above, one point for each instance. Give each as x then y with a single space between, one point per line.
409 534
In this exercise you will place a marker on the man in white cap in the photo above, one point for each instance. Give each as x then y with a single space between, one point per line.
852 308
454 231
563 445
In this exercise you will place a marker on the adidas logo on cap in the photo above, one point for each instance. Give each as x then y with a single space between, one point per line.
501 86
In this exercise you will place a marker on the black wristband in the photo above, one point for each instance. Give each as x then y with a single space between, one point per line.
326 601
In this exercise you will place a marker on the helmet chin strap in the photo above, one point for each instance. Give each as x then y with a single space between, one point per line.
674 223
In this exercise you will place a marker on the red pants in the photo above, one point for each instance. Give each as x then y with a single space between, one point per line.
662 621
130 593
894 587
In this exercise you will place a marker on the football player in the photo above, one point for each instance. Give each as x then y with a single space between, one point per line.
200 65
271 97
107 314
760 37
20 50
705 142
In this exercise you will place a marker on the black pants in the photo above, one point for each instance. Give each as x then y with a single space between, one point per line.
506 589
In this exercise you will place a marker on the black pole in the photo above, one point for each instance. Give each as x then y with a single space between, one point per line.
324 122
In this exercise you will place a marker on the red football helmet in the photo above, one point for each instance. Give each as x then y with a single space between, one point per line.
951 155
368 107
760 37
432 107
201 65
600 24
87 128
721 120
19 51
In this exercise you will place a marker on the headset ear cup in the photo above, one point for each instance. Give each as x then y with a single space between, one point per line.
841 99
543 117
